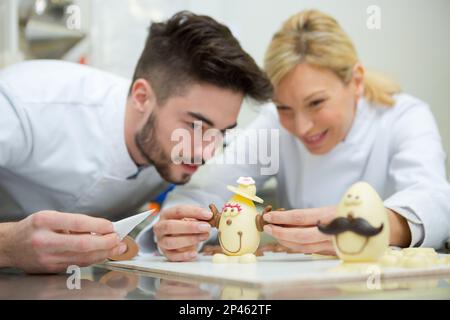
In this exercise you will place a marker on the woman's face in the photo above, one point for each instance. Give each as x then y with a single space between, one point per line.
316 106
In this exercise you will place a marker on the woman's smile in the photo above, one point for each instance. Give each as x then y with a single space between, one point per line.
316 140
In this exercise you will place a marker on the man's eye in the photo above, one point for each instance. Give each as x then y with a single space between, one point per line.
192 125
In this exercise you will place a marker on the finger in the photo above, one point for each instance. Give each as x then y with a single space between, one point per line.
56 242
84 259
180 242
54 268
72 222
188 254
301 217
167 227
324 246
186 211
87 259
297 235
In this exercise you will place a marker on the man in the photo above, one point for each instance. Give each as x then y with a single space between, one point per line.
77 142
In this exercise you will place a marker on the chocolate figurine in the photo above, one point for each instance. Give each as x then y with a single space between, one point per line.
361 228
239 224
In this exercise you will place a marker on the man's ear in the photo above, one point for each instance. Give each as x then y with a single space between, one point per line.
358 79
142 96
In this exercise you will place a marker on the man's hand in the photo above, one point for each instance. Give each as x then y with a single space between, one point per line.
50 241
179 231
297 229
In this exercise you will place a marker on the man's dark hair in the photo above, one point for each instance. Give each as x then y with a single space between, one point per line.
190 48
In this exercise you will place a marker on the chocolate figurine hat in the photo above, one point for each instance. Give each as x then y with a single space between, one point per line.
246 188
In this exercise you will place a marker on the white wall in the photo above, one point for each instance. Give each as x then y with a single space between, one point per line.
412 44
120 27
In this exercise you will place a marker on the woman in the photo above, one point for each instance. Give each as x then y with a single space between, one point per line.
338 124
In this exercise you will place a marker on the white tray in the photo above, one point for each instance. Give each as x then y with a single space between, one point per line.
272 269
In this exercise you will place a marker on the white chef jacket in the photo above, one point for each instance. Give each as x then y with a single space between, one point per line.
397 150
62 143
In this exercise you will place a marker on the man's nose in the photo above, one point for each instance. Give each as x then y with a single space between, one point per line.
206 150
197 151
198 154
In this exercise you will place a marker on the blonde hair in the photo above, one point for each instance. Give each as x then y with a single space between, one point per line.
317 39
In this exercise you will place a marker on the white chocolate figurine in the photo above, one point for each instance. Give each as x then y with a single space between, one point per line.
239 224
361 229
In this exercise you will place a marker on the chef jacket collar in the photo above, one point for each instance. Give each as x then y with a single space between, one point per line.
361 123
120 165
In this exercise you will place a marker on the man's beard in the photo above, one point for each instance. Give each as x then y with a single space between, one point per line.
151 149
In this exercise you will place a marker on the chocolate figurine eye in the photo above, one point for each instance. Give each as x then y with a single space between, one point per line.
234 212
349 196
357 197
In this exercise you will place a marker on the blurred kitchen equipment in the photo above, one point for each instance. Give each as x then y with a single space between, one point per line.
45 30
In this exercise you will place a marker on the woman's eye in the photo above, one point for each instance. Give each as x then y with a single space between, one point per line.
316 103
283 108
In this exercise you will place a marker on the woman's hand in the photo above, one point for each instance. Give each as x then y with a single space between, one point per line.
400 234
297 229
